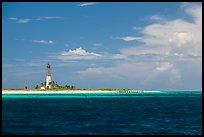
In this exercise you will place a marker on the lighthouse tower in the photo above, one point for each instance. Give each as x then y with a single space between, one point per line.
48 77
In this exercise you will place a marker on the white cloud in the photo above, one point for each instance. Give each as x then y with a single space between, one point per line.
165 66
79 51
77 54
181 38
128 38
179 35
87 4
165 73
172 51
194 10
48 17
23 20
43 41
121 70
13 18
18 20
159 34
119 56
143 49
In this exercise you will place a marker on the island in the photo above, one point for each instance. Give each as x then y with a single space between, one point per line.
67 91
52 87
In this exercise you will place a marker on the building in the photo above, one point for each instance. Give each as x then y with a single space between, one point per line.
43 88
48 77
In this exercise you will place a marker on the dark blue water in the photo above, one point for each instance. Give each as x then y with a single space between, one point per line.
142 115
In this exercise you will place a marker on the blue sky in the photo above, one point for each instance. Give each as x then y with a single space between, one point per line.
150 45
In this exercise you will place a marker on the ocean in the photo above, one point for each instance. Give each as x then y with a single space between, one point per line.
151 113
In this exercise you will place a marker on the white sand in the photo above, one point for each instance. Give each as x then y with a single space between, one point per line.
63 91
54 92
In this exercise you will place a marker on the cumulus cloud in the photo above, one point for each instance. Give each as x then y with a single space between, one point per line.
181 38
170 54
79 51
146 76
87 4
179 35
43 41
174 36
78 54
194 10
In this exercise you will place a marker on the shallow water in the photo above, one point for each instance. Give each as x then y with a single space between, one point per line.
111 113
106 95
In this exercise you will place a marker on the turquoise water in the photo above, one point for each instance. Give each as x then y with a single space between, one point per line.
106 95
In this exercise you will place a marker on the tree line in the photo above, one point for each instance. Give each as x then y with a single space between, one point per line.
54 85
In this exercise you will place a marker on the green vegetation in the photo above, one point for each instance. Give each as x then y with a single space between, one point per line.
62 88
24 89
13 89
56 87
65 88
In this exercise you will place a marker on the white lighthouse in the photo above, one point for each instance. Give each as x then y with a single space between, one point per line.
48 77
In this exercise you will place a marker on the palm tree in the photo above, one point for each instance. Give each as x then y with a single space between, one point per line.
72 87
56 84
53 84
36 87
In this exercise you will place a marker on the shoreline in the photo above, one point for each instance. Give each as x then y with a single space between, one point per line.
79 91
65 91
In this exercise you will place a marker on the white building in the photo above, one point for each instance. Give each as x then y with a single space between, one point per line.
43 88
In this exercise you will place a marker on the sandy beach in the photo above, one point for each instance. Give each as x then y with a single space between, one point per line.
64 91
54 92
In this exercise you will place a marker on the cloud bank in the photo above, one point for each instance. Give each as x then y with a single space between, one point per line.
170 56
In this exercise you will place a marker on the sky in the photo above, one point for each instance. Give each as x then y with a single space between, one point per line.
134 45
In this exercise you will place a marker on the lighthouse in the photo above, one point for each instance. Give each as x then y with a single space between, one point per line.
48 77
